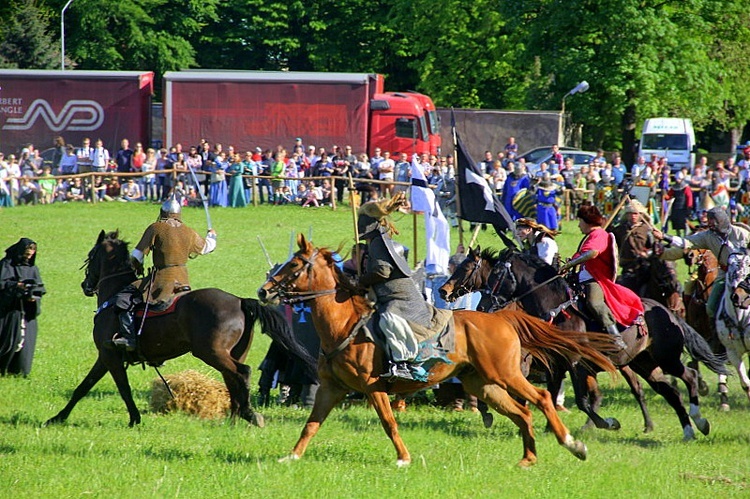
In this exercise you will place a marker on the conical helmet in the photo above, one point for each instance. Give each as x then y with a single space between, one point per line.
171 208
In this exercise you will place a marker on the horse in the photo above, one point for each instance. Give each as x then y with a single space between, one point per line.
664 287
733 317
213 325
538 287
473 275
486 357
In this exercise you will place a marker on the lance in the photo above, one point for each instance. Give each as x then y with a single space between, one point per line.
203 198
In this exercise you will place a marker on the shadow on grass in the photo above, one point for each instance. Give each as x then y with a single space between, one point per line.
168 454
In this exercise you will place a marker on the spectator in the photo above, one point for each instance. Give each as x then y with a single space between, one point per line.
21 291
131 191
218 187
386 170
487 164
28 191
326 192
83 156
99 189
46 185
236 186
163 180
249 167
6 199
511 149
342 164
124 157
402 173
68 164
149 179
75 191
277 172
60 193
99 157
59 145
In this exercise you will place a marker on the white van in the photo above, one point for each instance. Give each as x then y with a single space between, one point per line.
672 138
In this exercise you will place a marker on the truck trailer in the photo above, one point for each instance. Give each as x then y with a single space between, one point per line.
269 108
38 105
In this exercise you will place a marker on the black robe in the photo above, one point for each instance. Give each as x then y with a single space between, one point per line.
19 308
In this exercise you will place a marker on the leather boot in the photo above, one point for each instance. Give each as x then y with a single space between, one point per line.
126 334
619 343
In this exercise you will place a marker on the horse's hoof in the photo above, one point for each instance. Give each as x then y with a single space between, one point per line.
52 421
289 458
724 407
703 425
579 450
688 434
402 463
648 429
487 419
526 463
258 420
702 388
612 424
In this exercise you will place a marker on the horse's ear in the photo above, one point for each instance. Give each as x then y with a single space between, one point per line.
102 234
302 242
117 234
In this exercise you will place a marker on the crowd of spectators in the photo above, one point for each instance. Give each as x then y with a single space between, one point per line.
311 176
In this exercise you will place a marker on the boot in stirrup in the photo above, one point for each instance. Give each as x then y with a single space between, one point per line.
126 335
619 343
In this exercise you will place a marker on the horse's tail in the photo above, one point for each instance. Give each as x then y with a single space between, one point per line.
542 340
274 324
699 349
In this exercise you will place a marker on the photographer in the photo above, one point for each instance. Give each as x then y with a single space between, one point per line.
21 290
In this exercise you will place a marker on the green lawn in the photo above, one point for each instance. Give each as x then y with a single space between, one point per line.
96 454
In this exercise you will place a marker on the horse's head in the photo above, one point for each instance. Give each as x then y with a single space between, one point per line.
465 278
502 283
738 272
298 277
109 255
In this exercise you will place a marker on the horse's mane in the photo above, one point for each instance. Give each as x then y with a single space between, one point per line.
120 247
546 270
347 284
490 255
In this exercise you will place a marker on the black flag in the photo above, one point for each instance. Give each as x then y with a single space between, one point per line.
478 202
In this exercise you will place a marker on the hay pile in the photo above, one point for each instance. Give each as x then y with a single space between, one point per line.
194 393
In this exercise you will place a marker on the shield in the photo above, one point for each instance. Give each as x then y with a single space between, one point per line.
524 202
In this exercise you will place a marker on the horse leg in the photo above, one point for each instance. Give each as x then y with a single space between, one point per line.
585 388
503 403
95 374
653 374
329 395
637 390
120 375
735 356
702 385
689 376
382 405
237 379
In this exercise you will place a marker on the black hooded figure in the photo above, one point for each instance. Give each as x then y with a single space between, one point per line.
21 290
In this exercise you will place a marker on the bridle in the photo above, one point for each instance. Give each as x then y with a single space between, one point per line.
87 266
285 286
502 269
463 287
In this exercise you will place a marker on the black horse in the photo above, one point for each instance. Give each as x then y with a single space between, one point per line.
536 285
213 325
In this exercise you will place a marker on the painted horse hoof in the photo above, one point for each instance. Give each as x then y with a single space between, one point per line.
576 447
258 420
688 434
703 425
724 407
702 388
289 458
612 424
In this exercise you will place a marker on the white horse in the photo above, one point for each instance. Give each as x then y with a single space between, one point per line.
733 317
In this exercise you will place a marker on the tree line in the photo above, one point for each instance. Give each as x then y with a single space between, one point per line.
642 58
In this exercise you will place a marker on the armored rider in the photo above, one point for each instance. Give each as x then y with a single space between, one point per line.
170 243
636 243
397 297
722 238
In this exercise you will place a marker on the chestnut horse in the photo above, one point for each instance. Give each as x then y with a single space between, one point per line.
213 325
486 358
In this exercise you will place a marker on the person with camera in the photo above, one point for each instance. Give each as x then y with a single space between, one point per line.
21 291
342 168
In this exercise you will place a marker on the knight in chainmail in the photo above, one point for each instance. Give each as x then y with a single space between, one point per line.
171 243
398 300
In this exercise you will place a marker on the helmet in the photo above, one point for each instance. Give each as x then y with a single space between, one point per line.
171 209
720 215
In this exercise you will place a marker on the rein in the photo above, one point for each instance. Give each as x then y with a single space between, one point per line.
523 295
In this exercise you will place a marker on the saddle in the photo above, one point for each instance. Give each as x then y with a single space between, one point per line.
161 308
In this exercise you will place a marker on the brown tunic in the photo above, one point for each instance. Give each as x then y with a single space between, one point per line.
171 243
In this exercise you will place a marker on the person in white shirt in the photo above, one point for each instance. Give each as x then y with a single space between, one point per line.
386 172
99 157
83 156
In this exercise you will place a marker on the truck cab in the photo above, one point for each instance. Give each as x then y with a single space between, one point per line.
673 138
401 122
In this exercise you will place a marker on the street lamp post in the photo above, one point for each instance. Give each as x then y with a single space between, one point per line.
62 33
579 89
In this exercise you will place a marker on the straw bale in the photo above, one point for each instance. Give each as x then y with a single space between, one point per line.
194 393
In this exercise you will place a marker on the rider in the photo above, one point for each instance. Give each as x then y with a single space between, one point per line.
538 240
636 243
398 300
722 238
172 243
609 302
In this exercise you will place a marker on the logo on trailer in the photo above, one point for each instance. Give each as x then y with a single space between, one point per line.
77 115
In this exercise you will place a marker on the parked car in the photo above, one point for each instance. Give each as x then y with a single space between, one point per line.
540 155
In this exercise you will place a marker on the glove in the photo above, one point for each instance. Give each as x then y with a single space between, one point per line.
137 266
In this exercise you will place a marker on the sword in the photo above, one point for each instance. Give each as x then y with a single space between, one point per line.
203 198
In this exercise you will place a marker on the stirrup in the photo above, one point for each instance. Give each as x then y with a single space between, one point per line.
122 342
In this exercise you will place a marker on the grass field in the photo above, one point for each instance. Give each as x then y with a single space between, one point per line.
96 454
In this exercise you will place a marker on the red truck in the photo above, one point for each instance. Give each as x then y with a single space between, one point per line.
37 105
267 108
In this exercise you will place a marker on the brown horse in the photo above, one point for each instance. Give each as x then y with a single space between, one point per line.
213 325
486 358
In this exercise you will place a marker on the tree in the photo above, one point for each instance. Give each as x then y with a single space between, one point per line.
25 41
